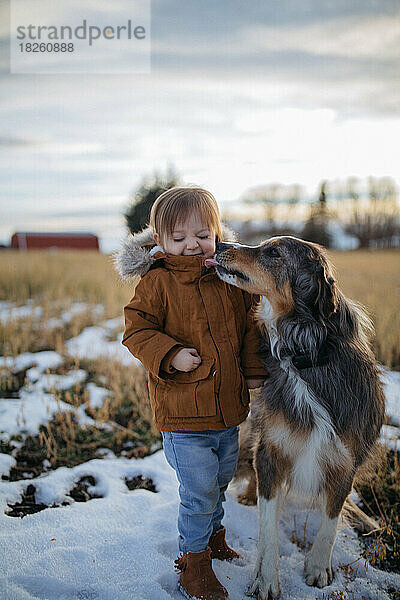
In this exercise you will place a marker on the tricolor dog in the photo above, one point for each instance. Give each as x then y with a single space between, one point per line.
320 411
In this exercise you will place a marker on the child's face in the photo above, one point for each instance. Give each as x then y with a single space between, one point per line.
189 238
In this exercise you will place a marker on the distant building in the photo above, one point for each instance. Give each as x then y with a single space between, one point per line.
41 241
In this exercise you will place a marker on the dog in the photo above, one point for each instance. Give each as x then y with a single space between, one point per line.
319 413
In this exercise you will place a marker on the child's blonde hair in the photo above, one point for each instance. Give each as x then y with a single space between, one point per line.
178 203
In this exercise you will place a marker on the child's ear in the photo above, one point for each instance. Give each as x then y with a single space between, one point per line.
156 239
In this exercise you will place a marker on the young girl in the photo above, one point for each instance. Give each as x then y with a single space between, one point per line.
196 336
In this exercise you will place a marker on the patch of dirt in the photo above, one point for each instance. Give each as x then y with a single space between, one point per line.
80 490
11 383
28 505
140 482
63 442
138 452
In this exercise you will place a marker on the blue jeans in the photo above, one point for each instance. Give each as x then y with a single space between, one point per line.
204 462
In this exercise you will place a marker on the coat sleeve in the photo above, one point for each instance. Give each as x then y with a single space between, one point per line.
252 363
143 333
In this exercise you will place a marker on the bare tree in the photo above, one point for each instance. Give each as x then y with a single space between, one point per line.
293 194
266 196
374 218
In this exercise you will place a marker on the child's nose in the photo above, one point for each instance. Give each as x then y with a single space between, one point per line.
192 243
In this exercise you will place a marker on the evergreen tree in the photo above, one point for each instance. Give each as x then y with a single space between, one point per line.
316 227
140 201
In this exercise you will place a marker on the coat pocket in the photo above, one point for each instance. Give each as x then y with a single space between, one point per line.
189 394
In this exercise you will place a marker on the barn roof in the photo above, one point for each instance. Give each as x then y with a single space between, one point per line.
55 233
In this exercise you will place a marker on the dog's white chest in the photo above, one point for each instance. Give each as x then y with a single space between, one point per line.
309 451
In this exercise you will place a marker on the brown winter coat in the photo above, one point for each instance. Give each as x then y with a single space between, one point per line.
181 303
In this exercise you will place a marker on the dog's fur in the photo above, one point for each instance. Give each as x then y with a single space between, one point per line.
320 411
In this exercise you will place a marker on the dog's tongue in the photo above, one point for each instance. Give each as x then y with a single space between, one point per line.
210 262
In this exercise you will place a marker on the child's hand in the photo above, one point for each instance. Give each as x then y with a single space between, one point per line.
186 360
252 384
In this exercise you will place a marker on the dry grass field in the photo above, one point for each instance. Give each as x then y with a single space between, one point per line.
55 282
370 277
373 279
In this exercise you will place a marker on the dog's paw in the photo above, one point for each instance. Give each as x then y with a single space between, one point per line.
316 574
264 589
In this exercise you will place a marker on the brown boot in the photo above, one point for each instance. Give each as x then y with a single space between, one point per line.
219 548
197 579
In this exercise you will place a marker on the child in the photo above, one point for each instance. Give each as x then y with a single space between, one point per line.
196 337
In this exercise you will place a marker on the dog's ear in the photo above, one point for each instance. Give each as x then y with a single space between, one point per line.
327 298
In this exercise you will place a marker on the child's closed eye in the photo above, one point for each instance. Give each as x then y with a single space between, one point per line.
201 237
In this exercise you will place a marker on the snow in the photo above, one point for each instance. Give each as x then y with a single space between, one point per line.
6 462
57 382
97 395
123 544
11 312
390 437
48 359
34 407
26 413
77 308
93 343
391 382
111 324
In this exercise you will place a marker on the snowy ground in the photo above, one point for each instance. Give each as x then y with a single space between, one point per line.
122 546
10 311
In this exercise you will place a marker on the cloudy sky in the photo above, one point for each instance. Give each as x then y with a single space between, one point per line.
239 94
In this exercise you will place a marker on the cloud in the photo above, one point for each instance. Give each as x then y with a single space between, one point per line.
16 142
353 37
376 38
338 55
235 98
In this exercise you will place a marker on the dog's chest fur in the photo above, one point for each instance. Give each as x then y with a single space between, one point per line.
296 424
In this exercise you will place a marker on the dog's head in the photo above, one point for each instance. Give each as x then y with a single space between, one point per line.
293 274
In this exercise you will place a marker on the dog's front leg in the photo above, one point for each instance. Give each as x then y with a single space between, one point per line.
318 564
265 578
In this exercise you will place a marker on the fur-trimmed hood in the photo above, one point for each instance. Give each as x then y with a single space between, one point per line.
139 251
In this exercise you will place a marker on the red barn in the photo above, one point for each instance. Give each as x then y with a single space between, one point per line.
41 241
